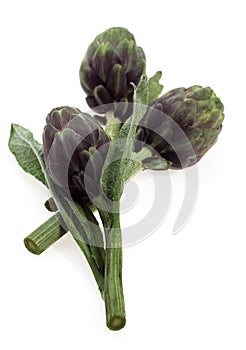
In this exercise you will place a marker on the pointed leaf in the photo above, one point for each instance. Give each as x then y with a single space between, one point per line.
28 152
155 88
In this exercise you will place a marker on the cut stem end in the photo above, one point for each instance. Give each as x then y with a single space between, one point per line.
32 246
116 323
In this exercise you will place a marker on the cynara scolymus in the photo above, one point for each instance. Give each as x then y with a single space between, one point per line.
111 64
85 166
72 138
196 111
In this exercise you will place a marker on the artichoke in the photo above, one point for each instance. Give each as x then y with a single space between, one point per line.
197 111
70 138
112 62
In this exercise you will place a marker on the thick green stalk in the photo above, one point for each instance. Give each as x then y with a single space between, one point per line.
45 235
114 172
113 289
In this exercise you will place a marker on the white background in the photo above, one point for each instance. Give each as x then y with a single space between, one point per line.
182 292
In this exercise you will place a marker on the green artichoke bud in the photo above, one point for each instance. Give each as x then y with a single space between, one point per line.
197 111
112 62
70 138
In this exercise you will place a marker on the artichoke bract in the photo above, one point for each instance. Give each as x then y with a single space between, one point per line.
70 139
196 111
112 62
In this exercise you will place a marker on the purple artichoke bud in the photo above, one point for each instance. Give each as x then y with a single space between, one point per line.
72 138
112 62
197 111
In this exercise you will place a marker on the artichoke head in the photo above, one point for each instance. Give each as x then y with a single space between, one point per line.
196 111
70 139
112 62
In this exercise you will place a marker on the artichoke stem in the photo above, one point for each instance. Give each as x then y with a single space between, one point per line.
113 290
45 235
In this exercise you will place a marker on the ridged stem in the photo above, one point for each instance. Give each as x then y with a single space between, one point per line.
45 235
113 289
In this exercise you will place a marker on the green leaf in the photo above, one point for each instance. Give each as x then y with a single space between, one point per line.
155 88
140 103
132 168
129 129
120 149
28 152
